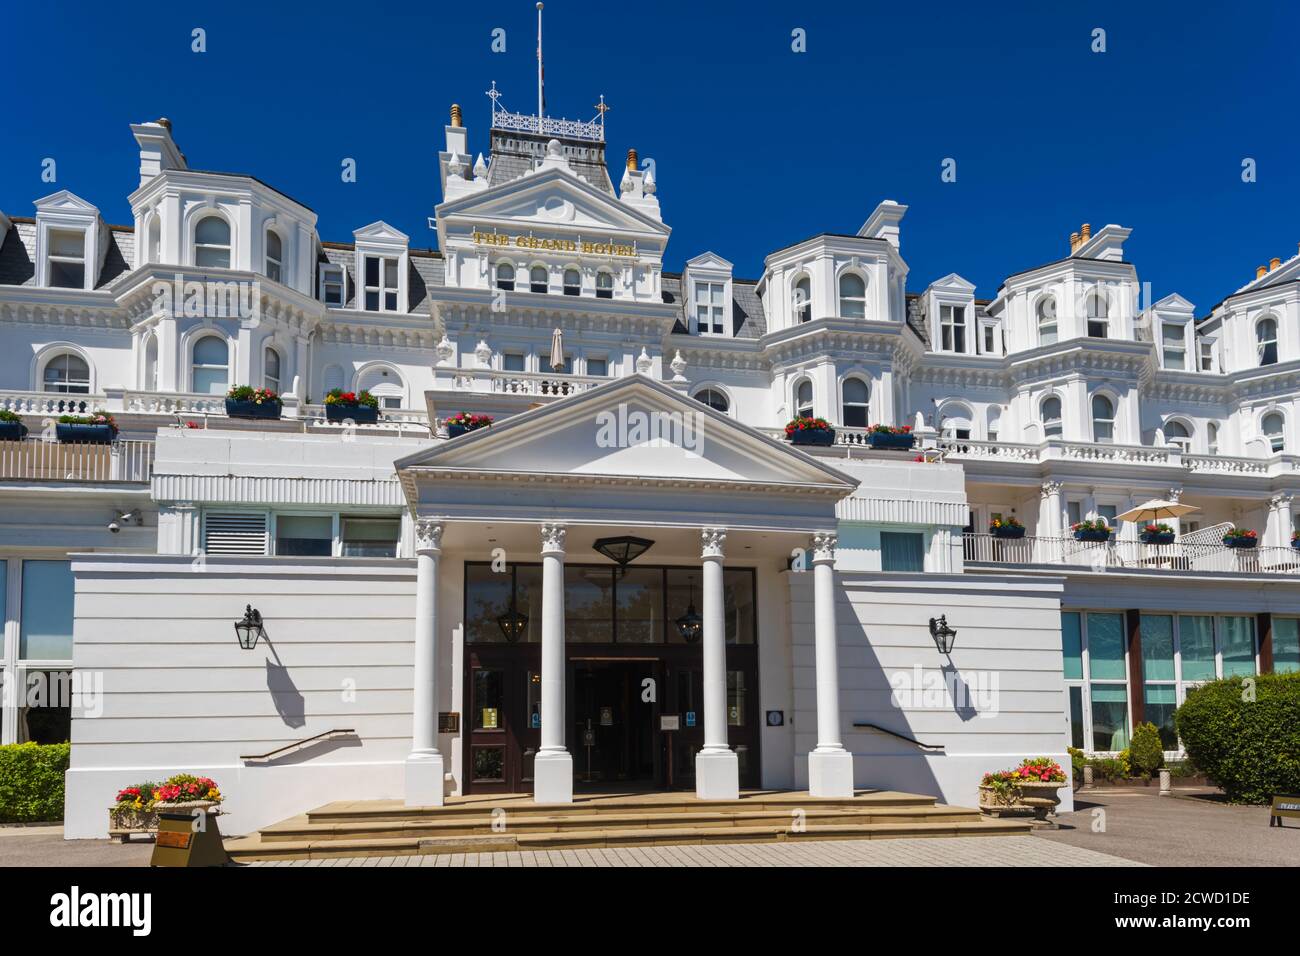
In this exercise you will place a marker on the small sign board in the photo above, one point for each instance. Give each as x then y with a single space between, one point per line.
490 719
776 718
535 720
449 722
607 716
589 738
690 718
1284 805
670 722
185 840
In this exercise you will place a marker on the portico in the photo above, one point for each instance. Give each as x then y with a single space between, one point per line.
715 497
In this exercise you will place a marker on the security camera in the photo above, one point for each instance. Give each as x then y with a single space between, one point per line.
114 527
131 519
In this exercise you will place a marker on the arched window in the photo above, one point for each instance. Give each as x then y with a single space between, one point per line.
1273 425
714 398
67 374
1046 311
210 369
505 276
538 279
572 282
1050 413
1212 438
274 256
151 363
803 399
801 301
855 396
604 285
385 384
853 296
955 421
1177 433
271 370
212 242
1103 419
1266 340
1097 311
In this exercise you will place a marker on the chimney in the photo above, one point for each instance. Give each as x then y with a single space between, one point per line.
158 151
633 163
1074 241
1274 263
1086 234
1260 271
455 116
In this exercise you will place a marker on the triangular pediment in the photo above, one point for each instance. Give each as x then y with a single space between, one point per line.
381 232
710 260
1175 303
952 282
553 199
633 428
65 202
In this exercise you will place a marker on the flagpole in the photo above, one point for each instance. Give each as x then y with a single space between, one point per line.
541 100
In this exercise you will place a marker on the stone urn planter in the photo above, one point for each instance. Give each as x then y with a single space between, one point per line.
1034 800
123 822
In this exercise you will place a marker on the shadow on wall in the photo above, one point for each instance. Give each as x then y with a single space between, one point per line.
289 703
961 692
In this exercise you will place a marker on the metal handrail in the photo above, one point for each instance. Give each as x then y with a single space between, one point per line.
297 745
893 733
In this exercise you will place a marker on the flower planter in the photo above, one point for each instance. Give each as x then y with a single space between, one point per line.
1156 537
236 408
1008 532
1025 799
1296 545
821 437
85 434
12 431
360 414
1092 536
889 441
1240 542
125 821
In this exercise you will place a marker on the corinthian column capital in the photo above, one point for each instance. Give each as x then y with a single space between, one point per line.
428 535
553 538
823 547
712 540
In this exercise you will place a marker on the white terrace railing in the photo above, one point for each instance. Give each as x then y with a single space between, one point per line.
33 459
1118 554
540 384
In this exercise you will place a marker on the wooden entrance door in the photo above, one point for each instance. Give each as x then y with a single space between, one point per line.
503 696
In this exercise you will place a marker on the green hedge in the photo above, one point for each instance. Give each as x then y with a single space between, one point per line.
31 782
1249 747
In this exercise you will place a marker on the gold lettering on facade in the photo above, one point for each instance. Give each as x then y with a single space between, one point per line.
554 245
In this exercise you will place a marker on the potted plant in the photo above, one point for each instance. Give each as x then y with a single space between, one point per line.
1091 529
11 426
463 422
891 436
96 429
137 807
1240 538
361 407
1157 533
244 401
1030 789
809 431
133 811
1009 527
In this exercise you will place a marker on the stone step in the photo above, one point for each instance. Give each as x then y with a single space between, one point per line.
255 848
311 829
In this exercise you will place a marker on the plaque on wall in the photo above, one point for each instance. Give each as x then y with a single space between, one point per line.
449 722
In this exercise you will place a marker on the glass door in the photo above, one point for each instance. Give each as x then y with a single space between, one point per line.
502 722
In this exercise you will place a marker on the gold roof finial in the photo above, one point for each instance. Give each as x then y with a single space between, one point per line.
455 115
632 162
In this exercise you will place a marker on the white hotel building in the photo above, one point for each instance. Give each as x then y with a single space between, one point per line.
429 601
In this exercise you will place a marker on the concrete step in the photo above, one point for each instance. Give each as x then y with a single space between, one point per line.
255 848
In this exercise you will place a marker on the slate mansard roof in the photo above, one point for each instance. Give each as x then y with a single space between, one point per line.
18 253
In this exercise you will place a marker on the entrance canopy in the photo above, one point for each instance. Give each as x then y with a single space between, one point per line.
633 452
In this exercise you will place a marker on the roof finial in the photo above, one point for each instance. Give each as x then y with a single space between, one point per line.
455 115
632 162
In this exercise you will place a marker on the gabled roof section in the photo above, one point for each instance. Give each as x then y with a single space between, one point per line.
67 202
709 260
381 231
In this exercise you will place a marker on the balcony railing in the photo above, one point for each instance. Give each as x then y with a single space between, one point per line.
36 460
540 384
1125 554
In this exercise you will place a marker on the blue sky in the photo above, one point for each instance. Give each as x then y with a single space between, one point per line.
755 146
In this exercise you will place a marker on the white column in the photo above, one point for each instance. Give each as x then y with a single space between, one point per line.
830 766
717 769
553 766
424 769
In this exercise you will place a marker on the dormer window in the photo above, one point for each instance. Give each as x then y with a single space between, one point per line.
1174 345
505 277
538 280
952 328
801 301
381 284
708 308
212 243
1097 311
274 256
67 258
604 285
332 286
572 282
853 296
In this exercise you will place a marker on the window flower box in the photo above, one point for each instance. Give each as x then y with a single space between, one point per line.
244 401
361 408
1295 540
810 431
463 422
86 429
11 426
1029 790
1240 538
1092 529
1006 528
1159 533
889 437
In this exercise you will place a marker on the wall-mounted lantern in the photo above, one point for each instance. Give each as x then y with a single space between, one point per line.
250 628
943 634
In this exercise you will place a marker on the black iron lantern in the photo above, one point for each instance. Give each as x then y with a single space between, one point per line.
249 629
512 624
943 634
624 550
690 624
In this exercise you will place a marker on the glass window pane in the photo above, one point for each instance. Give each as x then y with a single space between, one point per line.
212 230
69 275
1106 646
1238 636
736 698
1076 717
46 628
1109 716
902 551
738 605
640 605
1072 645
390 273
45 714
588 605
1157 647
371 537
1196 644
1160 704
210 381
489 696
304 535
1286 644
487 597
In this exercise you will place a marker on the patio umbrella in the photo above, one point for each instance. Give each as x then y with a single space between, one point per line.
1156 509
557 350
